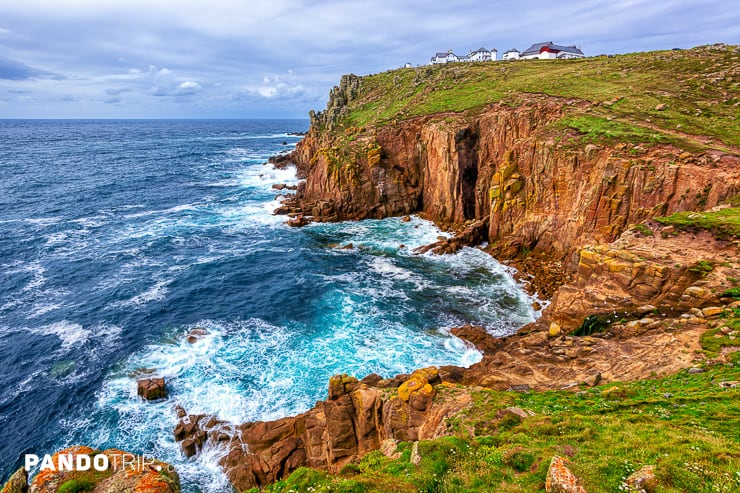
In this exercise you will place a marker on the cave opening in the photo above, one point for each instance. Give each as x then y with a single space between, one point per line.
466 143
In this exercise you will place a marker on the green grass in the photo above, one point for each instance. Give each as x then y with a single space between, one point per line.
599 129
696 86
76 486
686 425
713 340
722 223
642 229
732 292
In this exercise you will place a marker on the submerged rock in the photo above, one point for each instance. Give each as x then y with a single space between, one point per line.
196 334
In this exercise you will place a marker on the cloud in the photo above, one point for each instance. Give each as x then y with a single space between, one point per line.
13 70
188 88
188 58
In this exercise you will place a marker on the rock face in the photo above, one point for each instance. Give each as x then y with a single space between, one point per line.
151 389
668 274
126 473
356 418
508 167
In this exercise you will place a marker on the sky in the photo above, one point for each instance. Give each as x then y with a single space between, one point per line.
279 58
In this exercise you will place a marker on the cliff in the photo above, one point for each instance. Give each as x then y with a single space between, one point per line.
537 175
614 180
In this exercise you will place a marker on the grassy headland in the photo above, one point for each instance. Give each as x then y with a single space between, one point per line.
653 97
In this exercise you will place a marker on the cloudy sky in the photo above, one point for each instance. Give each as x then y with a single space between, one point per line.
279 58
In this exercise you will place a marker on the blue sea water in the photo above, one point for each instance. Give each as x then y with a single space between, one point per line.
118 237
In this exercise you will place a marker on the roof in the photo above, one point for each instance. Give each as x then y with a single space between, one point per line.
536 48
513 50
444 54
481 50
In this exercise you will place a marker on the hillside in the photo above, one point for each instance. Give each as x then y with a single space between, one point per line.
666 96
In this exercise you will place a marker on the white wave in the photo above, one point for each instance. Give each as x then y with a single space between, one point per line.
265 175
73 335
35 268
171 210
69 333
43 221
157 292
92 221
228 182
387 234
42 308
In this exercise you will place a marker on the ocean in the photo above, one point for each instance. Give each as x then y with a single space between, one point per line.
119 237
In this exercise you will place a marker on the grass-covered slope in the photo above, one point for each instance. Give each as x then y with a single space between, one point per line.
654 97
686 425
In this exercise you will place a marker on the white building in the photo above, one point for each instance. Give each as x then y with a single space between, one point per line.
479 55
446 57
550 51
512 54
483 55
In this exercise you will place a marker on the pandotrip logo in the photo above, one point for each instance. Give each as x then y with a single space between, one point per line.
70 461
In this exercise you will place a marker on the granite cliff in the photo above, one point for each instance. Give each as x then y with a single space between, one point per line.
611 183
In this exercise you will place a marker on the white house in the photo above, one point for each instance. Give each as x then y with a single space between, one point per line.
479 55
483 55
512 54
550 51
446 57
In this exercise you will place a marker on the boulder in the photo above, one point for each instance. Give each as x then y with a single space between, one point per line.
643 480
516 411
18 482
298 221
560 479
712 311
152 389
389 448
554 330
371 380
340 385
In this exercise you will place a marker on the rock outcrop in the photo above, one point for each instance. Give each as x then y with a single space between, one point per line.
125 473
560 479
151 389
508 176
18 482
641 276
357 418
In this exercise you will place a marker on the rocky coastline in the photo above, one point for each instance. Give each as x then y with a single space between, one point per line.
627 239
630 297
